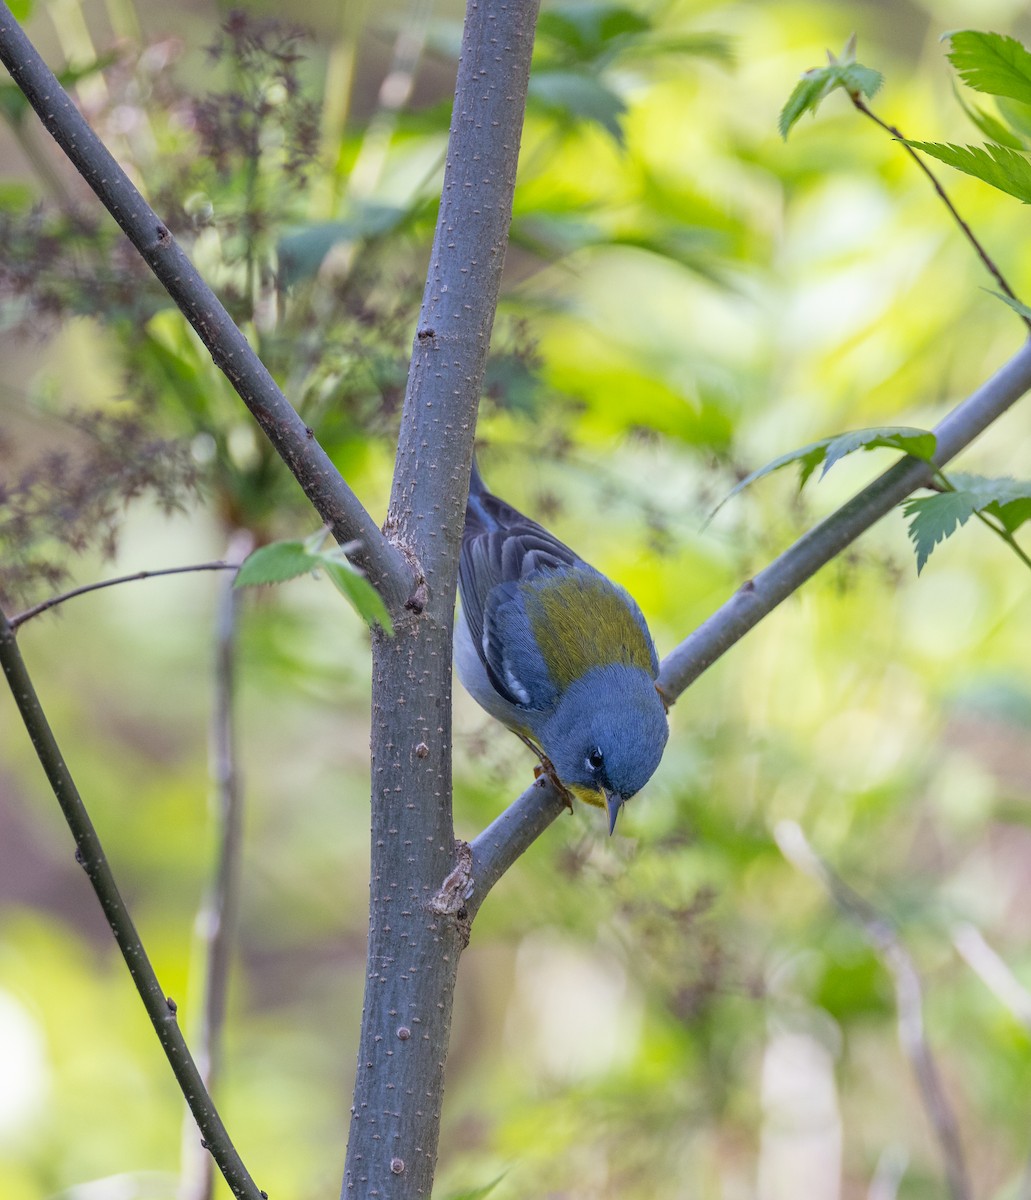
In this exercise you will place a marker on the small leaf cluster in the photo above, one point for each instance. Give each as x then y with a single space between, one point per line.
934 518
280 561
842 73
1003 503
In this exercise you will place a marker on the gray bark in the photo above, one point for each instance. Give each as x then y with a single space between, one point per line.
418 927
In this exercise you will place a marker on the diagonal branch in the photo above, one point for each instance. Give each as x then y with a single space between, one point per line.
90 854
313 469
759 596
525 820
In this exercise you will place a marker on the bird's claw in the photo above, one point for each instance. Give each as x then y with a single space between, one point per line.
546 770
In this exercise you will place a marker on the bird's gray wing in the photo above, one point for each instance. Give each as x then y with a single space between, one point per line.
501 548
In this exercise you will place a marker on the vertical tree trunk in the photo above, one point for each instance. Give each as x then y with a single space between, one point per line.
414 948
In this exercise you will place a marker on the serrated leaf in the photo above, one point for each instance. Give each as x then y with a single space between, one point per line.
865 80
281 561
992 63
805 97
1011 301
1002 168
920 443
934 518
351 584
992 128
1017 115
579 95
815 85
275 563
1005 498
808 457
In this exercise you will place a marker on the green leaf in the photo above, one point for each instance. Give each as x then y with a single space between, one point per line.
351 584
918 442
1006 498
857 79
280 561
581 96
992 128
1018 115
992 63
1013 303
817 84
583 32
934 518
805 97
1002 168
302 251
21 10
276 563
578 96
937 517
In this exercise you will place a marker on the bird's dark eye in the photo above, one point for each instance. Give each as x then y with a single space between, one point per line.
594 759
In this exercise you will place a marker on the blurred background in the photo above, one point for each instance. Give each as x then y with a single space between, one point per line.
676 1011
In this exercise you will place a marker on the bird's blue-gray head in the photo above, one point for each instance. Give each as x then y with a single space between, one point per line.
606 735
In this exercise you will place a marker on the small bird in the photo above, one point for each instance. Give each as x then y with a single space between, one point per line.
558 653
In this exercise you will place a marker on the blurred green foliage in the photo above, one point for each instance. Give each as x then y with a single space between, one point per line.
677 1011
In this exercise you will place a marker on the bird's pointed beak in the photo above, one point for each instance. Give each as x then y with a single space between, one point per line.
614 802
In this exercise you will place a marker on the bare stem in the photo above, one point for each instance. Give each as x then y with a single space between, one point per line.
968 233
217 918
46 605
1003 533
90 854
908 998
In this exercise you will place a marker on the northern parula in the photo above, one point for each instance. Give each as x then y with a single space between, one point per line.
558 653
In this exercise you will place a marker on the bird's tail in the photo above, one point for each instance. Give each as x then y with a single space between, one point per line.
477 513
476 485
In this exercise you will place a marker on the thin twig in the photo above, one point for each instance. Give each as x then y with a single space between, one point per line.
968 233
46 605
908 998
90 854
217 917
1005 535
993 972
888 1174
